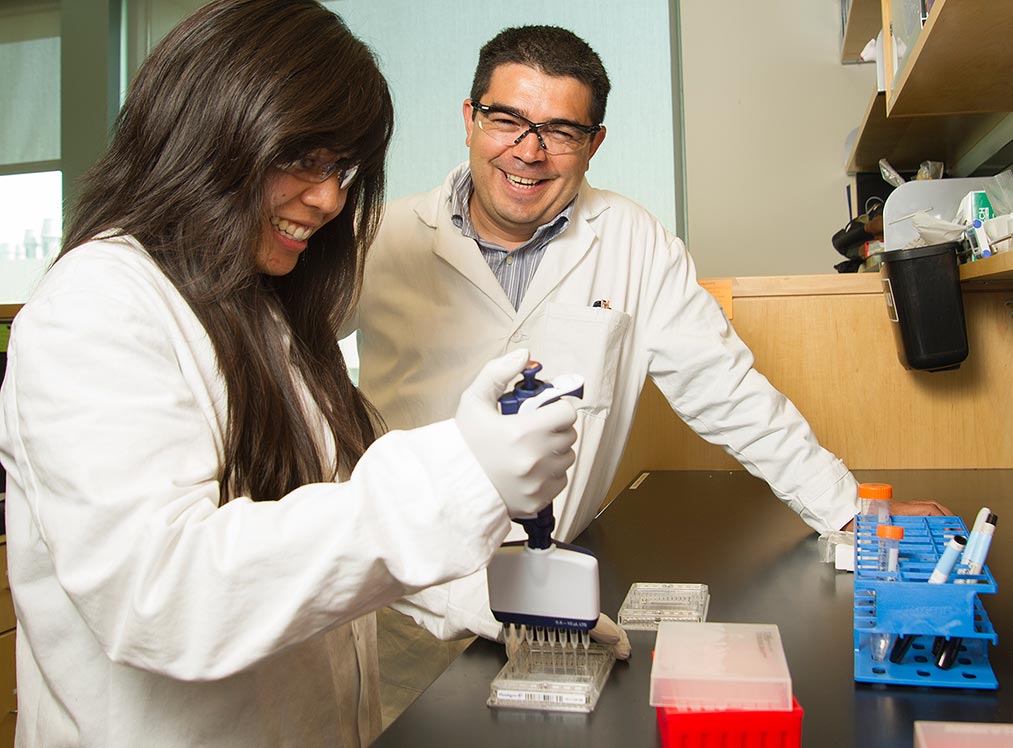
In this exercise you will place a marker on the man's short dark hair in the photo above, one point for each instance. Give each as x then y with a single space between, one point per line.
552 50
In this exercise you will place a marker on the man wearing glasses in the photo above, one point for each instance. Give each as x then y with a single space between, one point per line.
516 249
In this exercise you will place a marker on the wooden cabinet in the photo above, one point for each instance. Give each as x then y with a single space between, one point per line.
959 64
951 99
8 689
827 343
864 20
995 268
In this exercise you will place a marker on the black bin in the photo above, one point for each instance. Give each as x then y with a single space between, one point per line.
923 299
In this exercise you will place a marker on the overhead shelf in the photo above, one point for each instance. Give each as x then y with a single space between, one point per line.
865 19
907 141
960 63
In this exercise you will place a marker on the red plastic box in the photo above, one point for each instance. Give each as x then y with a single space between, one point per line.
743 729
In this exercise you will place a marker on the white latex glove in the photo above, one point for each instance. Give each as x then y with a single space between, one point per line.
525 455
607 631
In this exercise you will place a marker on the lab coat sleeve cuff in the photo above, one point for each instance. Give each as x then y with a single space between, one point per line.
834 500
454 610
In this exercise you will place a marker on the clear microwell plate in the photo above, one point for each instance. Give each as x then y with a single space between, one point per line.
553 677
649 603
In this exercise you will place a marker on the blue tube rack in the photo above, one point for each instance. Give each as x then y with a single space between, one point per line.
912 606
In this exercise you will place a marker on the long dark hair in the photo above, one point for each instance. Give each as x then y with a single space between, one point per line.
235 88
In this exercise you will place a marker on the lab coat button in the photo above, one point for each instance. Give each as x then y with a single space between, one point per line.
518 337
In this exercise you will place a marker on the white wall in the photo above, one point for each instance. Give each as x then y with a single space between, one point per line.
428 51
767 107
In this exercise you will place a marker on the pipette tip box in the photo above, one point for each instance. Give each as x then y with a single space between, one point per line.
730 727
717 684
649 603
720 666
552 677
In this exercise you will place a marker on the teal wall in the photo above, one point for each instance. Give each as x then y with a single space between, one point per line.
428 51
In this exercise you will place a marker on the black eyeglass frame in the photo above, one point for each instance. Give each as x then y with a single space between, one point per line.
533 127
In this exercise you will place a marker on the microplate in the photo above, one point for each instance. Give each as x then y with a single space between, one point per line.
649 603
553 677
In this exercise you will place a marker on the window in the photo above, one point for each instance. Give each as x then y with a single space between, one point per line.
30 181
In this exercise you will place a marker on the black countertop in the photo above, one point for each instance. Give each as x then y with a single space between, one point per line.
760 562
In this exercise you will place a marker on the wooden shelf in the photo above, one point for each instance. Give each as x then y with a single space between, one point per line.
996 268
907 141
961 62
865 19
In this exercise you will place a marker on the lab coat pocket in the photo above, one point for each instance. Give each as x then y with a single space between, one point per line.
586 341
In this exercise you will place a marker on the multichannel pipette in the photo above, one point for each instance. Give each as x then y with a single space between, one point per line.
542 590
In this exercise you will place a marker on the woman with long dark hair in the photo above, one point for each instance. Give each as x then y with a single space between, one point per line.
199 521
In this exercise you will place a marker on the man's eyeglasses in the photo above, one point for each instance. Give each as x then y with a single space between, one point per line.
313 167
509 128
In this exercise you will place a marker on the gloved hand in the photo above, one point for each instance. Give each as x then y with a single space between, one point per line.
607 631
525 455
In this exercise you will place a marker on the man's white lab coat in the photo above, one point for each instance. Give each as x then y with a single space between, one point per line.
147 614
432 312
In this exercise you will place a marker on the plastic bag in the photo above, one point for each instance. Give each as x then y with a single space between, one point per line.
930 170
890 174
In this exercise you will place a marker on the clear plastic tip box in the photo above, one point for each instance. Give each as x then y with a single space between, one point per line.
930 614
714 666
718 685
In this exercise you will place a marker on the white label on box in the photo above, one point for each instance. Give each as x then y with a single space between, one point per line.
891 305
554 698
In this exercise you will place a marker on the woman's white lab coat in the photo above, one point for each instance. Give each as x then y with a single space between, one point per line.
147 614
432 311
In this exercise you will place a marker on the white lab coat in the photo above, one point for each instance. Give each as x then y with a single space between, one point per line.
147 614
432 311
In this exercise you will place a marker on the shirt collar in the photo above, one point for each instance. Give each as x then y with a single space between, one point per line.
460 213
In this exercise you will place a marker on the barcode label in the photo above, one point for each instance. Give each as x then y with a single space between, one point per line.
543 698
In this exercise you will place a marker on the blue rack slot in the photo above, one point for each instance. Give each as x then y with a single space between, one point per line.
929 612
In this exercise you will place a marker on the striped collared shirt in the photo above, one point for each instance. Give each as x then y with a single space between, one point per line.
514 269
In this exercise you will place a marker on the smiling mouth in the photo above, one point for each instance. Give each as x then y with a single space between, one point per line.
291 229
522 182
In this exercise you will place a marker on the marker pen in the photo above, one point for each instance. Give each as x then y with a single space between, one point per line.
947 656
972 539
948 560
939 575
948 652
977 560
901 646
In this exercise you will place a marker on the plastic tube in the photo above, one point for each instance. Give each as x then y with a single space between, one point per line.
888 562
